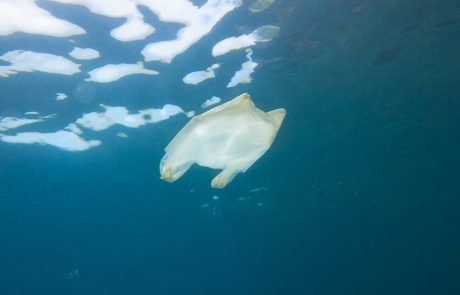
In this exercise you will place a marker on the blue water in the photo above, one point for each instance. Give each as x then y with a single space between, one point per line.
359 194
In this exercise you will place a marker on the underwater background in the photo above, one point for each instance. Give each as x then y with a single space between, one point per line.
357 195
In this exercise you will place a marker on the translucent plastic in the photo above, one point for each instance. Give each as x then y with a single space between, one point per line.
230 137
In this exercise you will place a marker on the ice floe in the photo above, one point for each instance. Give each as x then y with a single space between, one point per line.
65 140
122 135
134 29
190 114
111 72
84 53
209 102
61 96
195 78
262 34
173 11
73 128
29 61
110 8
244 74
121 116
198 23
31 113
27 17
7 123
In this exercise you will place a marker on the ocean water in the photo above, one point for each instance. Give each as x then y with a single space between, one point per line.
359 193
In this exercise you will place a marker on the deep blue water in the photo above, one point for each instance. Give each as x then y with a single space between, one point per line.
359 194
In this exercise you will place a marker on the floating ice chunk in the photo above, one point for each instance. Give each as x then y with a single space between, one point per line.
110 8
29 61
31 113
64 140
244 75
7 123
258 189
156 115
232 43
262 34
110 72
134 29
260 5
84 53
61 96
209 102
122 135
25 16
74 128
230 137
173 11
195 78
111 116
120 115
198 23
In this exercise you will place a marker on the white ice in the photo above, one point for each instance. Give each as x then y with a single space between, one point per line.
244 74
27 17
262 34
198 23
61 96
121 116
111 72
84 53
64 140
74 128
7 123
209 102
29 61
134 29
197 77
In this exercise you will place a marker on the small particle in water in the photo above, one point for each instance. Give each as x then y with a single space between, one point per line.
260 204
61 96
73 274
122 135
258 189
204 205
215 197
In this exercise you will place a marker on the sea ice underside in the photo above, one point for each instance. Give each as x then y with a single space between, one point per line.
230 137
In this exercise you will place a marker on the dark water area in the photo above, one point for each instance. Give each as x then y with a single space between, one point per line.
359 193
